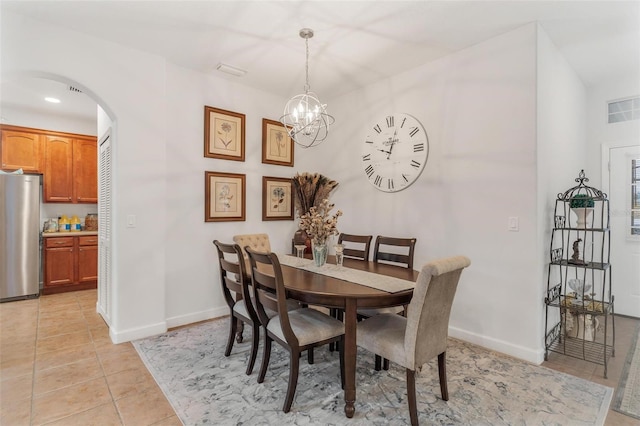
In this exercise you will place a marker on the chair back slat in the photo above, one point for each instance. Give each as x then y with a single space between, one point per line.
356 246
269 290
395 250
233 277
429 310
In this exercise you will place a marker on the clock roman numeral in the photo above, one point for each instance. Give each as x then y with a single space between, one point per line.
390 183
413 131
366 157
405 177
368 141
377 128
390 121
418 147
402 124
378 180
415 164
369 170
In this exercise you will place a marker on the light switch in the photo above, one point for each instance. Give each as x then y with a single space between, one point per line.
131 221
513 224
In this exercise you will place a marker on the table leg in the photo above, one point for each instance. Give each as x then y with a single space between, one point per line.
350 350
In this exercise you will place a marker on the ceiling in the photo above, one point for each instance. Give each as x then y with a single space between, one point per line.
356 42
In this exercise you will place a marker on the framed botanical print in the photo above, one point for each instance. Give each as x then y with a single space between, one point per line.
277 146
224 197
223 134
277 198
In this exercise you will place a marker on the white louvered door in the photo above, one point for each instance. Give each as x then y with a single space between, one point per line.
105 287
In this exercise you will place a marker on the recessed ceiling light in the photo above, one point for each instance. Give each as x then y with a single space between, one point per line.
228 69
52 100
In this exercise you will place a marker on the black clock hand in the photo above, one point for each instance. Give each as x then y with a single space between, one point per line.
393 142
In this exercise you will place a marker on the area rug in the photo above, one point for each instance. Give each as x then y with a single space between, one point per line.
485 388
627 398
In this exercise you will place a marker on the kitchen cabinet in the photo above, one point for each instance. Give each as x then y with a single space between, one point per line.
20 149
71 170
70 263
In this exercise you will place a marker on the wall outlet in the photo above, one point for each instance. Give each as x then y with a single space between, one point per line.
513 224
131 221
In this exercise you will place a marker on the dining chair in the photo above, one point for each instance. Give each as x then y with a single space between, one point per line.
355 246
397 252
235 287
413 340
296 331
258 242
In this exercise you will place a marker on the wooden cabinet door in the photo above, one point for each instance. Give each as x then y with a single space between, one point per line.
87 259
20 150
58 170
59 261
85 171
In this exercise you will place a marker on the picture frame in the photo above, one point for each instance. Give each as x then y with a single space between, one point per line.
224 134
224 197
277 198
277 145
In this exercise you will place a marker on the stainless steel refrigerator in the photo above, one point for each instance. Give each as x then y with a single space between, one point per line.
19 236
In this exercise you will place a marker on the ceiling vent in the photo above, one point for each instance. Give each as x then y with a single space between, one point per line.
623 110
74 89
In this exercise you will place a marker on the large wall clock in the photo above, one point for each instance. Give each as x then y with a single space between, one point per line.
395 152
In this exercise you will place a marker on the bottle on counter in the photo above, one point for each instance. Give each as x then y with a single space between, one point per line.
75 224
63 224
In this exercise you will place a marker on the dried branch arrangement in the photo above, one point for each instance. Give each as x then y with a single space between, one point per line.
311 189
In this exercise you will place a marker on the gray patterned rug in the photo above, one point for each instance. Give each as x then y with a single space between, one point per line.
485 388
627 398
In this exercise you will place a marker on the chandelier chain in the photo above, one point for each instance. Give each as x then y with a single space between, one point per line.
307 87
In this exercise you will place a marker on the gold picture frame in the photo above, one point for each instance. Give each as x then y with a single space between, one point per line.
224 197
277 146
277 198
224 134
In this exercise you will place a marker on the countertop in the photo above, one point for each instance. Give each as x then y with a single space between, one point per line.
69 234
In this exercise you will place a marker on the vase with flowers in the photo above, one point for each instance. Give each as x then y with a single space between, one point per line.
320 224
310 189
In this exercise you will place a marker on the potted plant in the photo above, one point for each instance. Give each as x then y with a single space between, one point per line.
582 205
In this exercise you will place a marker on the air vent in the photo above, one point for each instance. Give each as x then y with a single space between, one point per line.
624 110
74 89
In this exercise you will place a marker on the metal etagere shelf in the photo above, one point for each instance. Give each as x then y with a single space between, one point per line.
579 320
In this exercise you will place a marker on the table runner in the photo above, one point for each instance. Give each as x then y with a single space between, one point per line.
369 279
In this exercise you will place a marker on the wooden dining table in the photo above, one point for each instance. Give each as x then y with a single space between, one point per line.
316 289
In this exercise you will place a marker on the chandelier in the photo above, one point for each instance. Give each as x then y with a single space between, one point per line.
305 117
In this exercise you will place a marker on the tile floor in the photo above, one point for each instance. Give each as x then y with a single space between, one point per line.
59 367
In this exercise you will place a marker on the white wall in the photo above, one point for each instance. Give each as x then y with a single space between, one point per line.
478 107
561 153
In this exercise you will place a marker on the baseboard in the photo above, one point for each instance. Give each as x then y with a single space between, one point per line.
197 316
527 354
137 333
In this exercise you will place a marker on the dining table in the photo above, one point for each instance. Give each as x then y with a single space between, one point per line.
354 285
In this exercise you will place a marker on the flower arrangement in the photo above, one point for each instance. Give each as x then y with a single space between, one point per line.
319 224
579 201
311 189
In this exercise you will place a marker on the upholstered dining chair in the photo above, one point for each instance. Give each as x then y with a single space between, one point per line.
397 252
355 246
413 340
259 242
296 331
235 287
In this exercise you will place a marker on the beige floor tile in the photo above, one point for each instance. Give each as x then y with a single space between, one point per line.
66 375
64 315
20 348
104 415
62 341
145 408
169 421
100 335
53 308
106 348
54 328
128 382
15 389
19 413
70 400
10 368
65 356
115 363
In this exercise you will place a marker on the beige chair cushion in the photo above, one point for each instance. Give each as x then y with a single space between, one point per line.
379 311
241 308
309 326
384 334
